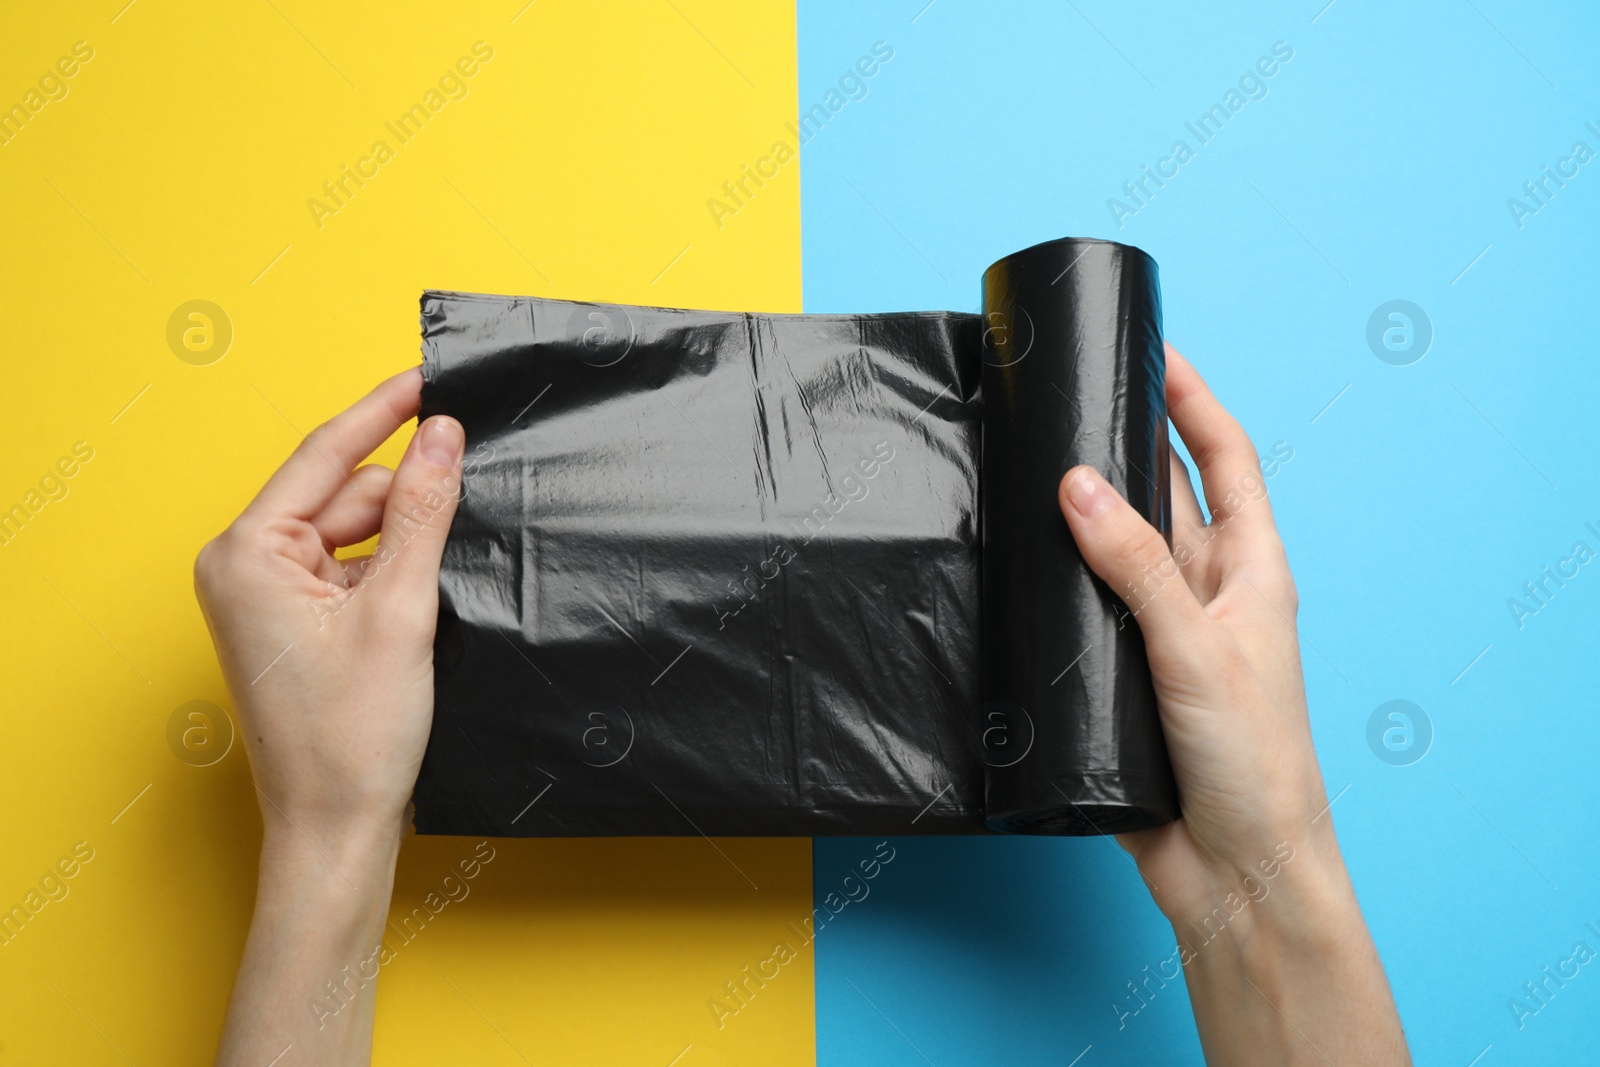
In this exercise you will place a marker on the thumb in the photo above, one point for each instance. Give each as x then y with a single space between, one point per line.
1132 558
417 515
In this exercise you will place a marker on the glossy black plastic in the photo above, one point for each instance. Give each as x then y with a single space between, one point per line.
720 573
1073 373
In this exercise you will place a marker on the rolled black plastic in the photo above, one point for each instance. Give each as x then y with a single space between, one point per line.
722 573
1074 373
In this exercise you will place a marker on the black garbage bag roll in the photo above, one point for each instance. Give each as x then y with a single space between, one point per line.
720 572
1073 372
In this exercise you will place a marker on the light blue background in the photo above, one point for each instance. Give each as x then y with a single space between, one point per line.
1413 509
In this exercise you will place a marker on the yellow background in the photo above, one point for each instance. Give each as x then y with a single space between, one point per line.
178 168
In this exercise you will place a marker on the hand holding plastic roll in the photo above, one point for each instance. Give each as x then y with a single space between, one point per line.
720 572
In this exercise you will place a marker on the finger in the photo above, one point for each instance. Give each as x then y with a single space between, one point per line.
1186 513
332 571
323 462
356 511
1132 558
1188 528
421 505
1230 469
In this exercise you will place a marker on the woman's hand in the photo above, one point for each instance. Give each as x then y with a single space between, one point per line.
330 664
1251 877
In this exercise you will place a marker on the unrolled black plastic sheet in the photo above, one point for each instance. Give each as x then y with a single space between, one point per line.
758 574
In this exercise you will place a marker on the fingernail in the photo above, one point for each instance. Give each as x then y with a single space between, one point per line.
1088 493
442 441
